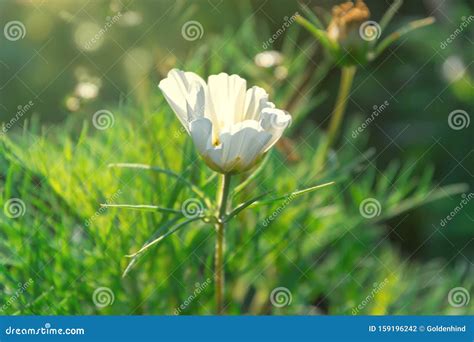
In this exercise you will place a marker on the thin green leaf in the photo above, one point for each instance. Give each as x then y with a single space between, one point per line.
424 183
434 195
401 32
210 179
390 172
245 205
312 17
389 14
144 207
292 195
153 237
318 34
170 173
164 236
289 43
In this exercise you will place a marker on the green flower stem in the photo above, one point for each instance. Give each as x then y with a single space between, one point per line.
222 198
347 77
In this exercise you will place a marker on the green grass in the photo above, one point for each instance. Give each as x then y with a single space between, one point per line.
318 246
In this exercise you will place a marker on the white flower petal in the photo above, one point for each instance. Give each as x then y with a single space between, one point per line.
256 99
179 87
201 133
240 147
274 121
227 99
195 101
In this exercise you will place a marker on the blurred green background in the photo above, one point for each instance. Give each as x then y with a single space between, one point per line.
68 76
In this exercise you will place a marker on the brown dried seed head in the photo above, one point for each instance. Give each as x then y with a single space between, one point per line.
347 17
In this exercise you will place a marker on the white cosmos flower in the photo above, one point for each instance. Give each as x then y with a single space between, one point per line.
231 126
